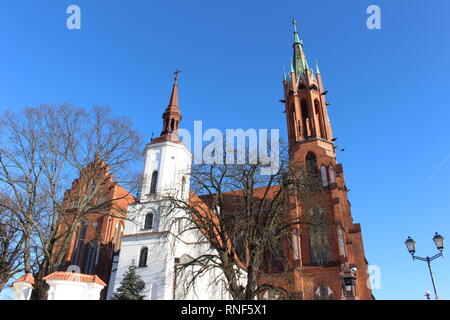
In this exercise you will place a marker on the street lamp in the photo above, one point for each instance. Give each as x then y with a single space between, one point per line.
439 242
348 279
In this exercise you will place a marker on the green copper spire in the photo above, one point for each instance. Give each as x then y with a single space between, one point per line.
296 38
300 64
292 67
284 74
317 67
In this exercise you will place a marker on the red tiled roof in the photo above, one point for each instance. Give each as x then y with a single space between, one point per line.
73 276
233 201
27 277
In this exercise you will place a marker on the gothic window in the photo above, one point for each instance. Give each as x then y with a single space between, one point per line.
311 164
304 111
319 117
143 257
90 258
118 236
79 244
341 240
295 242
332 175
318 237
148 223
323 173
154 181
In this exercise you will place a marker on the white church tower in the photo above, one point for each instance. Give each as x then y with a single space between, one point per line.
151 238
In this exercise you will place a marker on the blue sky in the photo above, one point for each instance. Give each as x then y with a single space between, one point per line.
388 89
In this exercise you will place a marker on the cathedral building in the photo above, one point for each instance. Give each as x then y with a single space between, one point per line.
328 261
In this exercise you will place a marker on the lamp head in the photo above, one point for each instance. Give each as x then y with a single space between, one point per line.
411 245
439 241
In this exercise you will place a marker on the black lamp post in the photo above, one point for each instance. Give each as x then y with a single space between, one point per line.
439 242
348 279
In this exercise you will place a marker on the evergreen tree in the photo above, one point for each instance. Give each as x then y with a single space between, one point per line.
131 286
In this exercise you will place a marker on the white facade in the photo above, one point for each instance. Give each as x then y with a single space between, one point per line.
73 290
22 290
62 286
166 245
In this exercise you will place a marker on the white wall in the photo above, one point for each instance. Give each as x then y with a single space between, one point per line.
73 290
154 274
22 290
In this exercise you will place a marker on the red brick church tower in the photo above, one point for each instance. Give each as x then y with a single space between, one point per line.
323 270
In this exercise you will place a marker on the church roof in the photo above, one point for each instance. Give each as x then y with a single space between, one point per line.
232 200
73 276
27 277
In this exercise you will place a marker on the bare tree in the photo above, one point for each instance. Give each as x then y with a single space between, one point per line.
249 220
42 150
11 240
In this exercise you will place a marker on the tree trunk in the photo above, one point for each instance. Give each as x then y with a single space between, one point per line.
26 251
40 291
2 285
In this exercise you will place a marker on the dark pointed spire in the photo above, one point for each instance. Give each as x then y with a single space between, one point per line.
171 116
173 102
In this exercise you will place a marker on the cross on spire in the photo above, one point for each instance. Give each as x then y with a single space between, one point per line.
176 75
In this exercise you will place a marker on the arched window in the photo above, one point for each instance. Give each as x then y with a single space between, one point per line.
319 117
323 173
154 181
341 240
318 237
295 246
305 117
90 258
311 164
148 223
79 244
118 236
332 175
143 257
166 125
